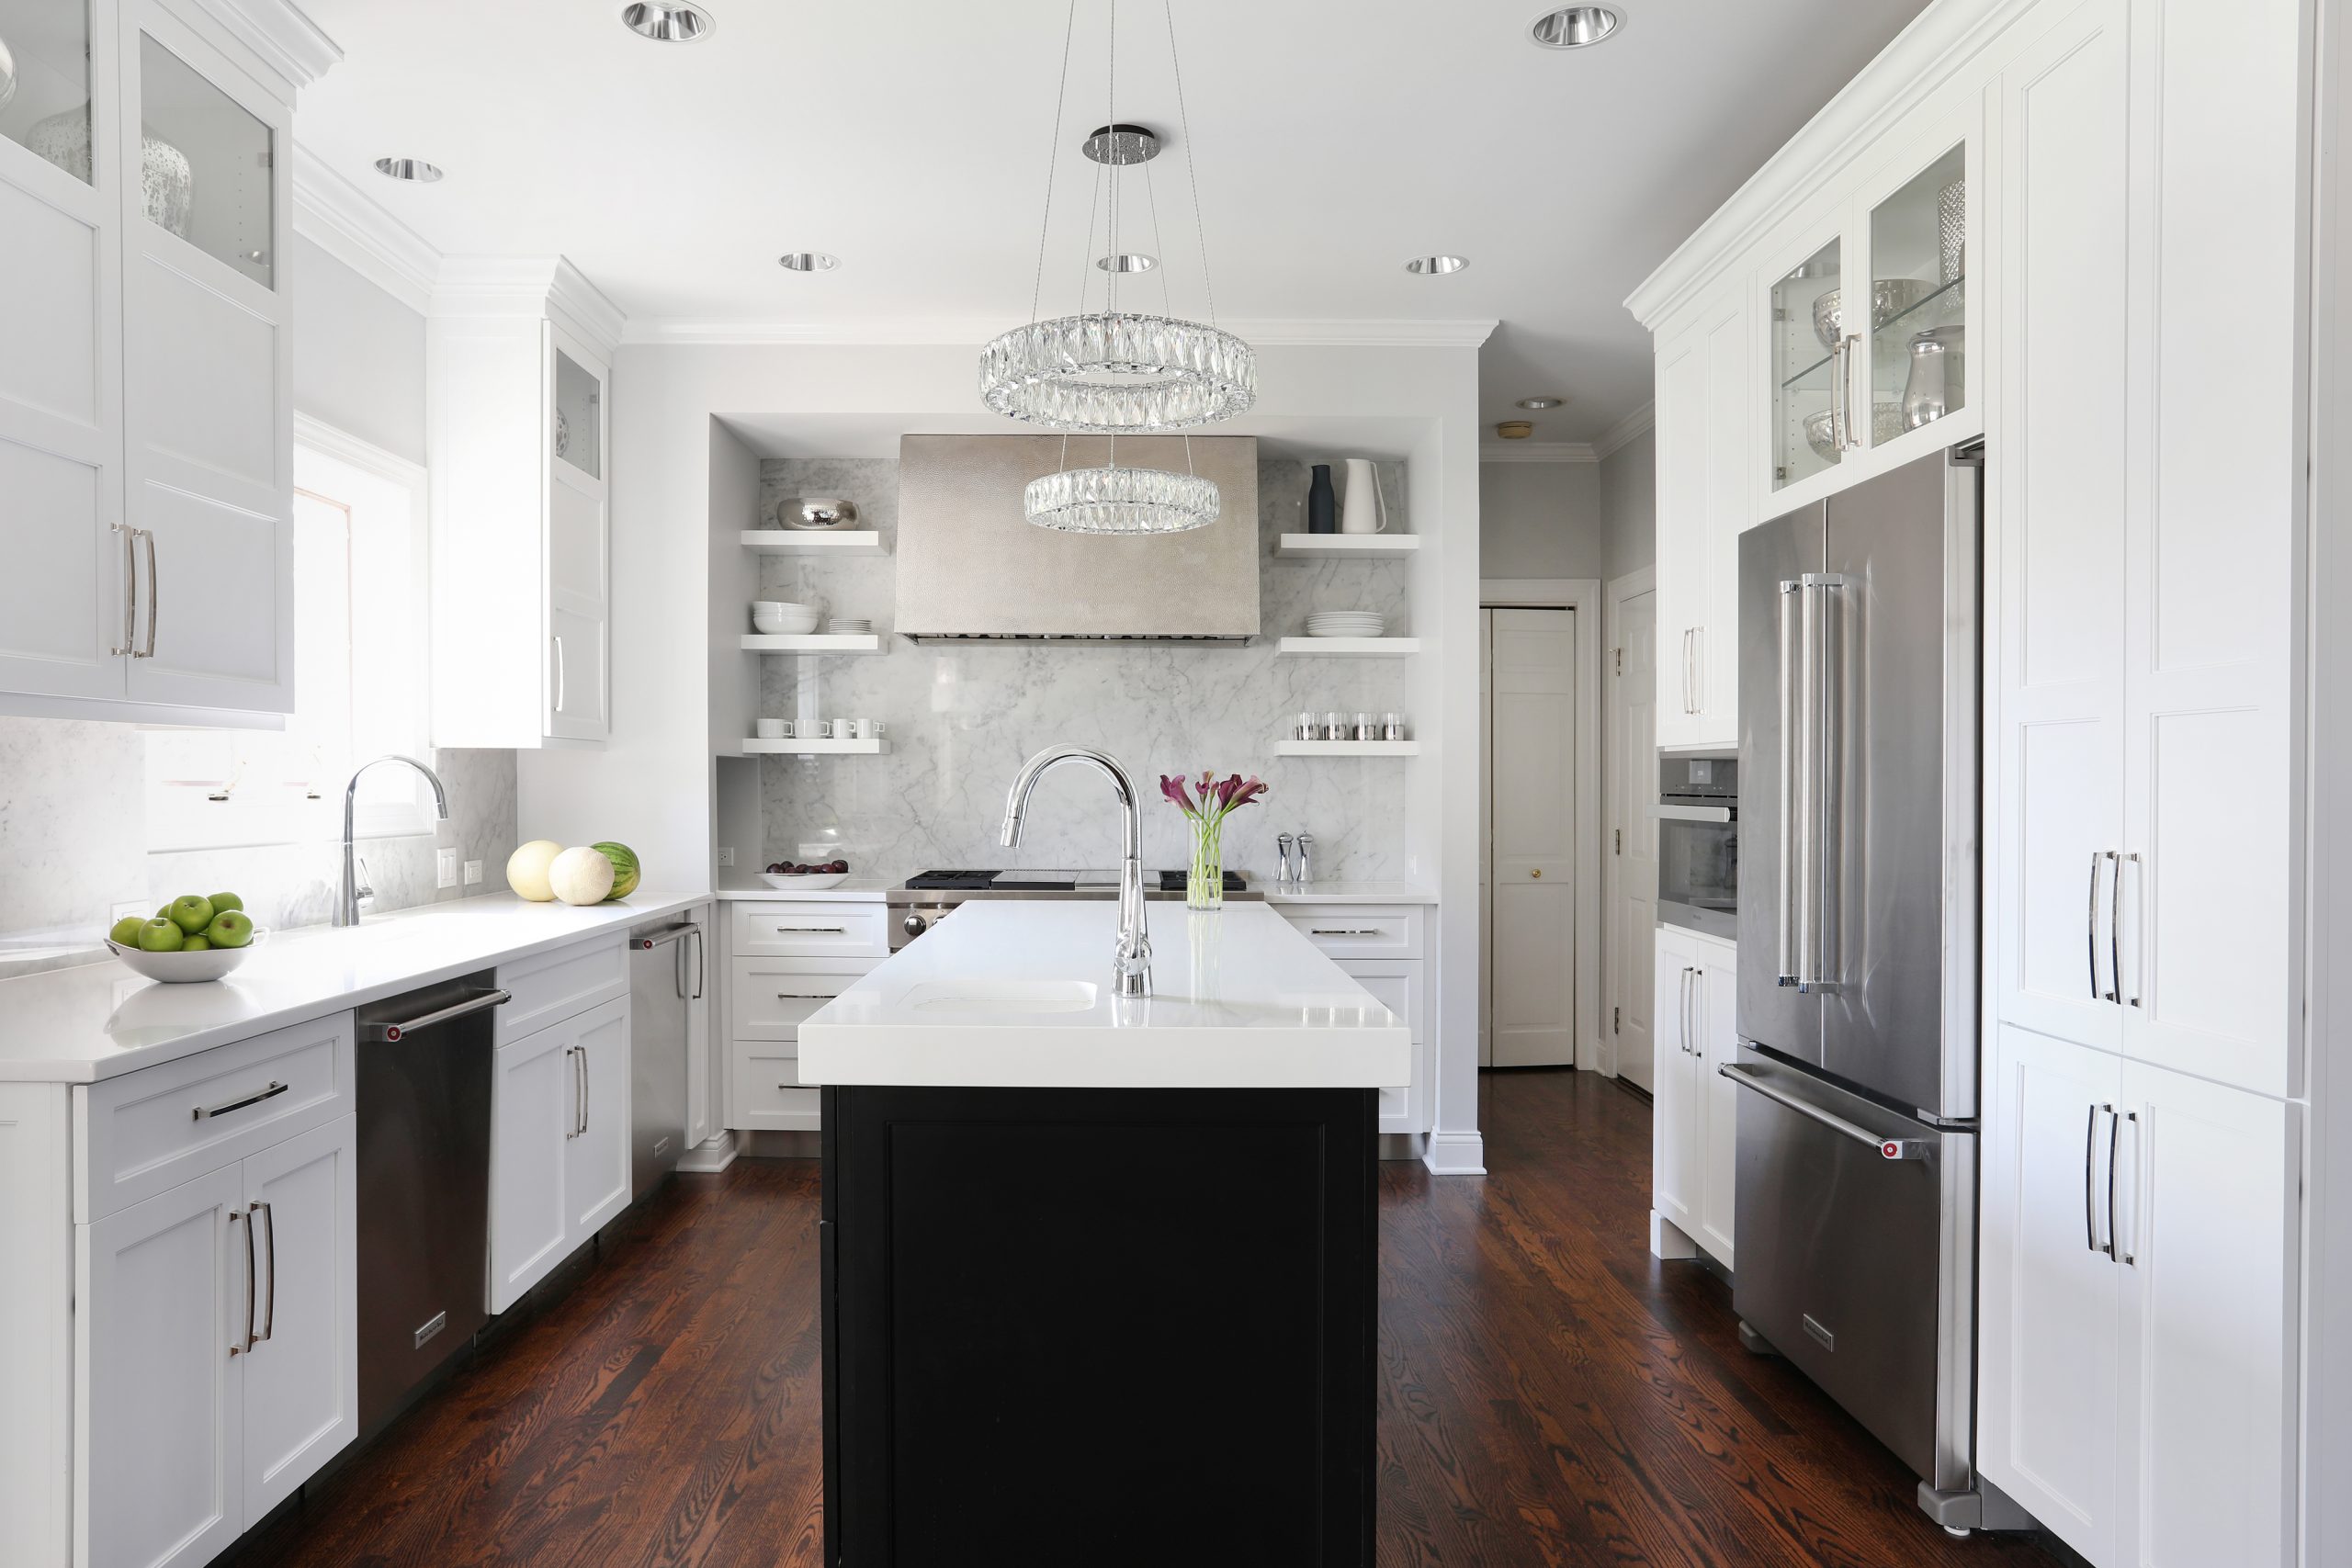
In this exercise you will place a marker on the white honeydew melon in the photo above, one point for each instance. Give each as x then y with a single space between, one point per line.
527 869
582 875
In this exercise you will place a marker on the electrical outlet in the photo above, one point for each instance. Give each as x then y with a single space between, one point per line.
445 868
473 873
727 854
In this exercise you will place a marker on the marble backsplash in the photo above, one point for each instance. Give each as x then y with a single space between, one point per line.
961 720
73 842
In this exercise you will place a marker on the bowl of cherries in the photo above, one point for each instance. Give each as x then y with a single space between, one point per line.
789 876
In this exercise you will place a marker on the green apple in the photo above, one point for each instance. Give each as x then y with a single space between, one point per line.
195 945
163 911
161 935
224 902
126 932
231 928
191 912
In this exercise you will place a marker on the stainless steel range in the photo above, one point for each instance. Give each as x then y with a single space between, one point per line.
928 898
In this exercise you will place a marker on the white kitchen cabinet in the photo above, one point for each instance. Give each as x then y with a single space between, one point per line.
1704 393
1384 948
518 420
559 1144
1694 1115
146 405
2138 1308
214 1351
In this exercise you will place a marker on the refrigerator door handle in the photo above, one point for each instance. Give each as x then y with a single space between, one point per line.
1792 818
1804 768
1888 1148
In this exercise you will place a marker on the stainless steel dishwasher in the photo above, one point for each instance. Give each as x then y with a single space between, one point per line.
424 1062
665 979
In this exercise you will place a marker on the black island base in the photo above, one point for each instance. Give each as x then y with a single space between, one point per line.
1099 1329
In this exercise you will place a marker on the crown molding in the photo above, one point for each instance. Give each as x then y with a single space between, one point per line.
1537 452
333 214
288 42
508 286
1942 42
1630 428
972 331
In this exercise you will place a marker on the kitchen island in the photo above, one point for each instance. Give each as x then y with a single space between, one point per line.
1100 1271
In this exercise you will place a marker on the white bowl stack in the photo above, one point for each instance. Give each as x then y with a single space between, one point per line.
1346 623
781 617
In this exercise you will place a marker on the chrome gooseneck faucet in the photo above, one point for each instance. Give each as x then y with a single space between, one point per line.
1133 958
346 908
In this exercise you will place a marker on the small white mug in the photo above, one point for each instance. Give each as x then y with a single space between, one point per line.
774 729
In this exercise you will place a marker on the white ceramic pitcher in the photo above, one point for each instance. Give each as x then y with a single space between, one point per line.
1365 510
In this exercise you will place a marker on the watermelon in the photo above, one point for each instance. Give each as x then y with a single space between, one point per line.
625 867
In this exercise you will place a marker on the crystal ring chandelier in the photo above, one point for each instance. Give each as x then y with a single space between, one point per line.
1116 371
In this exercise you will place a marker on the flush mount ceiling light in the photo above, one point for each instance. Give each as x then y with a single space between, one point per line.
1574 26
666 22
1540 402
415 169
1436 266
808 261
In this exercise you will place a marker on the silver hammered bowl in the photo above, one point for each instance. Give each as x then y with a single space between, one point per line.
816 512
1890 296
1887 423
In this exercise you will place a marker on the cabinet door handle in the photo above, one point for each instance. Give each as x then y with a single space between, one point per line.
2115 935
2114 1137
154 593
2131 1258
2090 926
234 1216
558 640
129 590
1698 668
586 1080
269 1258
2090 1201
571 1059
204 1112
698 965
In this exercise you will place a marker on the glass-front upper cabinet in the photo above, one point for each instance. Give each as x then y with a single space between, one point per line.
1806 361
579 405
1918 308
45 80
205 165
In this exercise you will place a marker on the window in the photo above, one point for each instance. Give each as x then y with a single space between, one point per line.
361 674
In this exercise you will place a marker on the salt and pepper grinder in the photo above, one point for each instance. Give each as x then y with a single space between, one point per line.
1283 842
1305 861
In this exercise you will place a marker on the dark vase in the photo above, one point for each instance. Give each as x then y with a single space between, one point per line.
1321 514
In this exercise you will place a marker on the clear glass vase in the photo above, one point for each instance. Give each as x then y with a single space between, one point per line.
1205 882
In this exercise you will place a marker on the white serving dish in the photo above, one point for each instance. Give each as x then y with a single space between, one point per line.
185 968
813 882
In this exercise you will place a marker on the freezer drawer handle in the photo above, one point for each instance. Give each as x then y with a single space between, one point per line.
665 935
1888 1148
393 1033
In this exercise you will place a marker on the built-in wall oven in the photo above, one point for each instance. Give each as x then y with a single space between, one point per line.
1698 844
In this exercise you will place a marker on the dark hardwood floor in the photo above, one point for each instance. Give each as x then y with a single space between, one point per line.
1551 1394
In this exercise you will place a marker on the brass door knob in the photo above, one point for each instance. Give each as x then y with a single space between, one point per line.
1536 870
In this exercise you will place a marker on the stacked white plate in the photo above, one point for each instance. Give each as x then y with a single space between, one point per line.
781 617
1346 623
856 626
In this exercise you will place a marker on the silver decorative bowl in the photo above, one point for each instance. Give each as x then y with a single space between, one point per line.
816 512
1890 296
1887 423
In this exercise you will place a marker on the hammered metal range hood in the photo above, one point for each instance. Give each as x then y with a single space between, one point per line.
971 568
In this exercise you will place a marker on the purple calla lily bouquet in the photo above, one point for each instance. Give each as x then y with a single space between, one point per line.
1219 798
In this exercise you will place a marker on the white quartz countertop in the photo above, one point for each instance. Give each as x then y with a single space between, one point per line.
98 1020
856 890
1018 993
1346 893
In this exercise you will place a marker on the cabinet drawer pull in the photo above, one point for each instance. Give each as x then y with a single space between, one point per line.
1347 931
204 1113
812 931
269 1261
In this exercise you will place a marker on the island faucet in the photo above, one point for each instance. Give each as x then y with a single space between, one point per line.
346 908
1132 961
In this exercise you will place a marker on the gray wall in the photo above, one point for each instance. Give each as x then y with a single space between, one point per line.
1629 506
359 355
1540 520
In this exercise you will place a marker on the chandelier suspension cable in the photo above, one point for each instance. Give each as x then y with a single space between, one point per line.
1167 299
1184 128
1110 221
1053 161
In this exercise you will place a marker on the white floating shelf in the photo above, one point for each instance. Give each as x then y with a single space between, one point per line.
813 642
814 542
815 747
1347 748
1348 547
1348 646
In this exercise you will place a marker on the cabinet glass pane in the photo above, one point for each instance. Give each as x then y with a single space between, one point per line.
1805 329
577 400
207 164
45 80
1919 250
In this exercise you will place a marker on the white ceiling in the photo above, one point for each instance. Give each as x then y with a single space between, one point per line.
1334 139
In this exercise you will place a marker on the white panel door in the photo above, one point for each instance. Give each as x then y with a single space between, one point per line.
1714 1008
596 1162
301 1378
163 1304
2050 1297
1675 1166
2055 534
1531 815
1631 762
62 614
2208 1228
534 1115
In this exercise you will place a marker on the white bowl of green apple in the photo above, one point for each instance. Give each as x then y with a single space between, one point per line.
193 937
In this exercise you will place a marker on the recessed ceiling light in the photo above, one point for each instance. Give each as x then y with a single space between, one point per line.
808 261
415 169
1574 26
1540 402
664 22
1436 266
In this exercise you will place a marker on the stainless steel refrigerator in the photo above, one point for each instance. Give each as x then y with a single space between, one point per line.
1856 1209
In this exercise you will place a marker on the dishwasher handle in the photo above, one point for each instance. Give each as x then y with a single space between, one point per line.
1888 1148
393 1033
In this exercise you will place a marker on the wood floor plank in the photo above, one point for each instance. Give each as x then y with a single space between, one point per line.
1551 1396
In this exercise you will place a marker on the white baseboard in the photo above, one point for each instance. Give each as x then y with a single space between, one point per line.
710 1155
1456 1154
